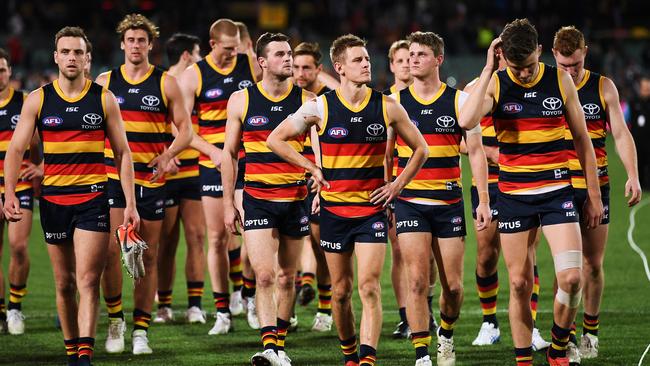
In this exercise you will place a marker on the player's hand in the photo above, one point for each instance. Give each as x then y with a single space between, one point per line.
231 218
30 171
131 216
215 157
483 216
315 205
172 166
633 190
11 208
494 54
318 179
385 194
2 212
159 165
593 210
492 154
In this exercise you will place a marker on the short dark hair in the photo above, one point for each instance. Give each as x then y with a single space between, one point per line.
4 54
337 51
567 40
519 39
310 49
76 32
265 39
434 41
179 43
137 21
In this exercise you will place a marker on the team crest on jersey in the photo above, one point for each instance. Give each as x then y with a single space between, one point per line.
52 121
213 93
337 132
304 220
568 205
14 121
456 220
257 121
512 108
378 225
245 84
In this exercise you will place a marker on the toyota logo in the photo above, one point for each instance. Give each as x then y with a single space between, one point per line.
591 109
552 103
92 118
375 129
245 84
445 121
150 100
14 120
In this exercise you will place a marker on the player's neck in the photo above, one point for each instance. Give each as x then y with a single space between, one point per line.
177 69
314 87
71 88
136 71
400 84
353 93
428 87
275 87
580 77
221 64
4 94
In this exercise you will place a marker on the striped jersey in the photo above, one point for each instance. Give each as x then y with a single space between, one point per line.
215 87
529 121
352 147
590 93
189 157
268 176
438 182
309 152
9 116
143 106
73 131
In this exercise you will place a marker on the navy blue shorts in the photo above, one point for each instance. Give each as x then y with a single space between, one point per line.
339 234
177 190
442 221
150 202
26 199
59 221
493 192
210 180
519 213
580 197
290 218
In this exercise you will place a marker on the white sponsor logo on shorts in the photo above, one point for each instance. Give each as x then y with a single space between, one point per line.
509 225
256 222
330 245
212 188
407 223
62 235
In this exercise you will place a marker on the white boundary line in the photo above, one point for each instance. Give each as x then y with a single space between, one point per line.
643 356
630 236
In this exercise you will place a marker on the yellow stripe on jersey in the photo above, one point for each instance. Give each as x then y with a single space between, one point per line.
66 147
70 180
342 162
532 168
275 178
214 115
529 137
434 151
145 126
429 184
260 146
346 197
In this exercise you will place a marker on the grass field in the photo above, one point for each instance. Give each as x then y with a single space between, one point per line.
624 334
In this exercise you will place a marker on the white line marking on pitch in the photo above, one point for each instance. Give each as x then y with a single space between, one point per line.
642 356
630 240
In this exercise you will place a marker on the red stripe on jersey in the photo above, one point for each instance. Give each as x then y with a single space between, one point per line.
436 173
74 169
338 149
353 211
72 199
256 136
368 185
143 116
529 124
532 159
514 186
212 130
211 106
278 193
72 136
271 168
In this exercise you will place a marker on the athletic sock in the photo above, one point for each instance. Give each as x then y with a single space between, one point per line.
249 287
3 310
447 325
488 289
221 302
560 339
194 293
421 342
524 356
283 327
235 273
535 296
298 280
367 355
114 307
308 278
590 324
16 294
270 338
572 334
164 299
141 320
85 348
402 315
325 299
71 350
349 349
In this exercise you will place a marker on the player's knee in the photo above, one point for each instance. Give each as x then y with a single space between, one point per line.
418 284
487 259
286 279
453 290
19 252
65 284
593 268
194 237
265 278
568 269
370 290
218 239
520 286
88 282
570 279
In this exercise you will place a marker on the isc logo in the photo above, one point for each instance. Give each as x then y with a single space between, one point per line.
276 108
427 111
134 90
72 109
356 119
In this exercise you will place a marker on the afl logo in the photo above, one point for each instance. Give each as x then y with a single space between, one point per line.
258 121
213 93
245 84
304 220
591 109
14 121
120 100
552 103
375 129
92 119
568 205
512 108
150 100
52 121
337 132
378 225
456 220
446 121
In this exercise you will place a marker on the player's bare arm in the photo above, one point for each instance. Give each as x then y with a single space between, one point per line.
122 156
491 152
236 105
625 146
478 165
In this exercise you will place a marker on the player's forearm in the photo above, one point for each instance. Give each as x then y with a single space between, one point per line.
127 176
478 165
412 167
470 113
285 151
228 164
11 169
587 158
626 150
182 139
203 146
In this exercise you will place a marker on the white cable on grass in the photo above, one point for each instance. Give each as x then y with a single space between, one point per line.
644 353
630 238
